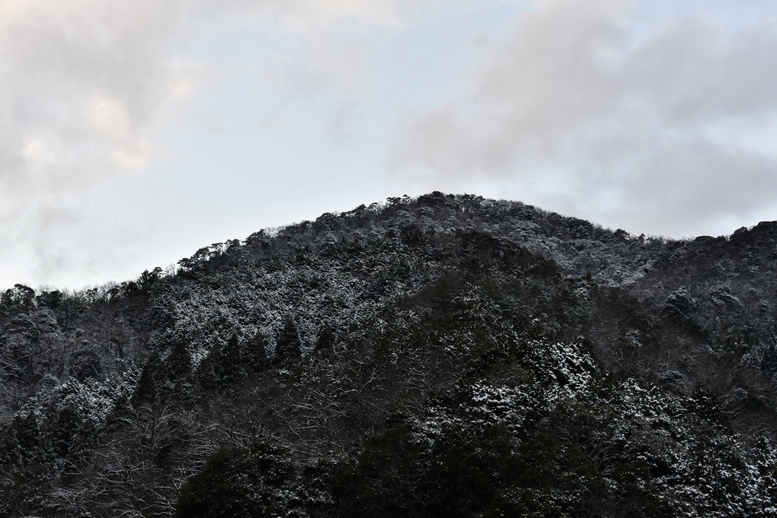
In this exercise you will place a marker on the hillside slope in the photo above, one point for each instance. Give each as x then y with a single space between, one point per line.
440 356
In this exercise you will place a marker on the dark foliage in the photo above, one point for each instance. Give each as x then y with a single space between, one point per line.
288 344
245 482
444 356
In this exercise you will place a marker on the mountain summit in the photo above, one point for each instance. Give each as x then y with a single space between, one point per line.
446 355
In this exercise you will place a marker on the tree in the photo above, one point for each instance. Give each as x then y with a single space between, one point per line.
240 483
288 344
383 482
326 339
20 297
179 363
229 364
145 391
50 299
205 375
255 353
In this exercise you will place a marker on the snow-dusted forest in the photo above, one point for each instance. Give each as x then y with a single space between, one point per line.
441 356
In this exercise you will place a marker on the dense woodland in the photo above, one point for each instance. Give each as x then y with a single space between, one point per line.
441 356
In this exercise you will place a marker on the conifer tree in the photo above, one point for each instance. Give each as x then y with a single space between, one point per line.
288 344
255 353
179 363
326 339
229 366
205 375
145 391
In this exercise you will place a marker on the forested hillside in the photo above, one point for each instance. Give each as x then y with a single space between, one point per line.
441 356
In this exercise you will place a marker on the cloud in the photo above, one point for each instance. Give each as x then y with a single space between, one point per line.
325 44
575 107
83 82
87 87
80 83
305 17
59 243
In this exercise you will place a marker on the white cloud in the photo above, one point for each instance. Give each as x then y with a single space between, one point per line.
88 86
306 17
609 125
325 43
83 82
54 243
80 83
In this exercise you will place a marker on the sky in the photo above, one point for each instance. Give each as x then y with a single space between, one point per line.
134 133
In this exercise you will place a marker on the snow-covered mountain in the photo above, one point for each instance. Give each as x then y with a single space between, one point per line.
441 356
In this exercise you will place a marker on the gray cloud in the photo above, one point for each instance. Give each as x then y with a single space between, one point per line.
80 82
83 81
650 133
60 243
685 184
88 86
309 17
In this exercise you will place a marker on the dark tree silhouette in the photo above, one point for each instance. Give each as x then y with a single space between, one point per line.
326 339
255 353
145 391
229 366
288 344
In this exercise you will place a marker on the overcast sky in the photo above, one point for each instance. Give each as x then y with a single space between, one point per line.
134 133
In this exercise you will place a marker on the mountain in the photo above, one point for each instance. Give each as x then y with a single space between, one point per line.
441 356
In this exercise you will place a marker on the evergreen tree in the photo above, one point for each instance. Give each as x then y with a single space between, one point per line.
288 344
241 482
255 353
229 366
179 363
21 441
326 339
122 412
205 375
145 391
